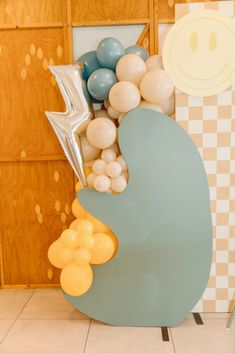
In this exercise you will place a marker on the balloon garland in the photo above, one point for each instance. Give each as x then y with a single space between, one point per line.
118 80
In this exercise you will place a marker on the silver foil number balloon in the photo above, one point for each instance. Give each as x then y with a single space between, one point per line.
70 125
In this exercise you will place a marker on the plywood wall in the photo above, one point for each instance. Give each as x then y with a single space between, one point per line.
36 181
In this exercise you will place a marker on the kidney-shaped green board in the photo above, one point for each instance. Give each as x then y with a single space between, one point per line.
163 224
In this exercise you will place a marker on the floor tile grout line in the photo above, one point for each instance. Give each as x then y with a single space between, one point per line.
172 340
27 301
88 332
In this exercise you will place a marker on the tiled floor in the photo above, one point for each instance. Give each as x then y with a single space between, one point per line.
42 321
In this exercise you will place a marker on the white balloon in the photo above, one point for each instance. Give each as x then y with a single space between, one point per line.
101 183
168 106
124 96
108 155
112 113
154 63
122 163
106 103
113 169
90 179
101 133
156 86
99 166
89 152
118 184
132 68
100 113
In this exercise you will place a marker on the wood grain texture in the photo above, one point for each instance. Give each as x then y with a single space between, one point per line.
98 10
35 201
27 90
167 11
30 11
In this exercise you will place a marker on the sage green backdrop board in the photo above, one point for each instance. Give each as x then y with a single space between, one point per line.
163 225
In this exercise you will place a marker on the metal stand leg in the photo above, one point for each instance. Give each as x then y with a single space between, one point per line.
232 316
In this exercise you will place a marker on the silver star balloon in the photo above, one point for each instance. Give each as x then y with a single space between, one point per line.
70 125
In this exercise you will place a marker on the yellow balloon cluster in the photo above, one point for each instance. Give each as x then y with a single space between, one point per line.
87 241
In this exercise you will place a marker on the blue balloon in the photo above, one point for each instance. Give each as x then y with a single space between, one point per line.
138 50
86 93
90 62
109 51
100 83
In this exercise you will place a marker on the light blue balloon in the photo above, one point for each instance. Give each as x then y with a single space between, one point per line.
90 62
109 51
138 50
100 83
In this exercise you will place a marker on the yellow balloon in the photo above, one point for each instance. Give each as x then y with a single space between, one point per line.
115 241
82 256
86 241
75 223
66 255
78 187
103 249
85 227
77 210
76 279
53 253
69 238
99 227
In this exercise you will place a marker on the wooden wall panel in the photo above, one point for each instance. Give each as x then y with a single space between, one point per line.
27 90
36 181
113 10
167 9
35 200
30 11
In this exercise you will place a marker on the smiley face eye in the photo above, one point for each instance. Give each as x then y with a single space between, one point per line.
193 41
213 41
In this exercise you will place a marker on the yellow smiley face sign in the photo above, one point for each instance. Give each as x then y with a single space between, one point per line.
199 53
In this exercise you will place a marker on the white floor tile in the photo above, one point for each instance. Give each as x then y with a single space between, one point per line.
50 304
4 327
12 302
208 338
105 339
46 336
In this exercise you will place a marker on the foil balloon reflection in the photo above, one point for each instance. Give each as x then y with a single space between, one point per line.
69 125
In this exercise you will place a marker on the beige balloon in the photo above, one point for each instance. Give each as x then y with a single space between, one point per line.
118 184
102 183
168 106
132 68
99 166
101 133
108 155
90 179
120 118
112 113
75 223
66 254
89 152
156 86
145 104
122 163
154 62
100 113
113 169
76 279
124 96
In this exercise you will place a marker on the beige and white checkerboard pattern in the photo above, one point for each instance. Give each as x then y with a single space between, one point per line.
210 121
